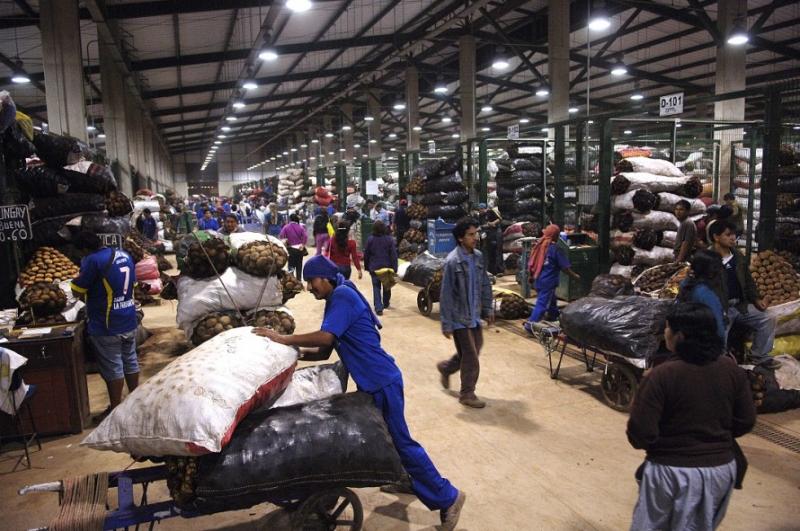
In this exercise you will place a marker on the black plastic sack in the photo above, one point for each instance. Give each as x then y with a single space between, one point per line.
692 189
448 183
446 212
644 201
623 221
58 151
776 399
429 169
620 185
647 238
526 192
16 145
609 286
48 207
48 231
630 326
790 186
41 181
288 453
525 206
97 180
421 271
105 224
450 166
624 254
455 198
526 175
528 164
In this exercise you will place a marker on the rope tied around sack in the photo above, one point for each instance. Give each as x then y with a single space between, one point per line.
84 505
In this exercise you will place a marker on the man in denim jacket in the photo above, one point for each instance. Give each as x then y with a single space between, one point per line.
466 297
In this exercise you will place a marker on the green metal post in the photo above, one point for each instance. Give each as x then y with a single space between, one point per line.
320 176
558 201
751 177
415 159
341 186
373 169
483 172
364 177
769 173
604 194
402 172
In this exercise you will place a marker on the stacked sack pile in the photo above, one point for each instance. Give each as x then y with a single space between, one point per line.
68 192
512 241
779 285
520 186
645 191
292 190
787 227
233 282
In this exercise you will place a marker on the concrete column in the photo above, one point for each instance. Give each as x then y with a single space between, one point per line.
134 128
63 67
730 77
147 144
374 110
412 108
347 136
115 123
558 60
466 77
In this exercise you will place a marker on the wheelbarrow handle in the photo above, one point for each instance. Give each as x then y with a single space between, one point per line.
53 486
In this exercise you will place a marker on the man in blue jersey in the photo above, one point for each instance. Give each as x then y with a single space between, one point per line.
106 281
350 326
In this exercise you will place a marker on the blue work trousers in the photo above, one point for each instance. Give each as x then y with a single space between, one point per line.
546 302
436 492
380 295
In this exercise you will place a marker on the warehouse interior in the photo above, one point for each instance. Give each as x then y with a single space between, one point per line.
151 124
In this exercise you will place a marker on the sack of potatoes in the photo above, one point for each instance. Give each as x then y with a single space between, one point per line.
118 204
130 246
656 278
49 266
206 259
290 286
213 324
43 299
28 319
261 258
278 320
775 277
512 306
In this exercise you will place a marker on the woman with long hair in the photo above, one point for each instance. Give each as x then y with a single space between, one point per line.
380 253
704 286
321 234
686 415
343 252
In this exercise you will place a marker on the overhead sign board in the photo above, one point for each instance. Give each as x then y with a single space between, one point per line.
513 132
110 239
671 104
431 147
15 223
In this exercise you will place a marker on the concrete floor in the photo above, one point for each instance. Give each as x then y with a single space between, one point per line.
545 454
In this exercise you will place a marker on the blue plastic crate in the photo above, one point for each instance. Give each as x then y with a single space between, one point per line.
440 237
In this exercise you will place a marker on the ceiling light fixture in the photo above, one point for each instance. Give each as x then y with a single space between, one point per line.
573 109
500 61
392 135
225 128
356 146
328 135
293 150
627 132
101 136
373 141
599 20
399 105
221 136
524 120
486 129
446 120
303 146
455 135
346 128
542 91
739 35
238 104
19 76
368 118
441 86
417 128
315 141
268 54
299 6
91 128
487 108
250 85
544 129
637 94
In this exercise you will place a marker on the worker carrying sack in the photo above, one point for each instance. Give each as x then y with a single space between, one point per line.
286 453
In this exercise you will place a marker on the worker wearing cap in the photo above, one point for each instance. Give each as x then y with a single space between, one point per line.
350 326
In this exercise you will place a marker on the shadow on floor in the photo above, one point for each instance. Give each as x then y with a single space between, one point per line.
401 512
500 413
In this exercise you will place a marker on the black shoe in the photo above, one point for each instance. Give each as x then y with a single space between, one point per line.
379 312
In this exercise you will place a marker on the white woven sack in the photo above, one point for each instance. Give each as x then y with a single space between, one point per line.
654 166
623 202
619 269
193 405
309 384
198 298
668 238
787 317
655 220
656 256
654 183
667 202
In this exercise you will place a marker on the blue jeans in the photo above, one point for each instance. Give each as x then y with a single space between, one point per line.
763 327
116 355
379 302
546 302
431 488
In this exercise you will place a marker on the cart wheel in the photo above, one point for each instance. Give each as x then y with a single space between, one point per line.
332 510
424 302
619 386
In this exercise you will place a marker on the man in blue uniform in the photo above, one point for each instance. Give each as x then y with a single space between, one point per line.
545 265
106 280
149 227
351 328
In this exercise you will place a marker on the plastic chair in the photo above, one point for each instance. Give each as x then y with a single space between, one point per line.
27 439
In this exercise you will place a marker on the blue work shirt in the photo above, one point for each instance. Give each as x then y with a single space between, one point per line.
208 224
150 228
357 340
110 307
555 260
703 294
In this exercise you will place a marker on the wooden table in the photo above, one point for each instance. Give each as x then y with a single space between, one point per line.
56 365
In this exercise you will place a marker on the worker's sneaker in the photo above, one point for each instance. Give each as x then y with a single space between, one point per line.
472 401
451 514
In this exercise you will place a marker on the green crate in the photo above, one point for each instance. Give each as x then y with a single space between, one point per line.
583 254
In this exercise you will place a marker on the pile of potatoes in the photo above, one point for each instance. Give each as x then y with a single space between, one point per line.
414 236
416 186
656 278
182 478
206 259
47 265
118 204
213 324
775 277
28 319
42 299
130 246
417 211
670 291
281 322
290 286
261 258
512 306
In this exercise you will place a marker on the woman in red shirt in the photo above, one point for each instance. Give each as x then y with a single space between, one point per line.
342 251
